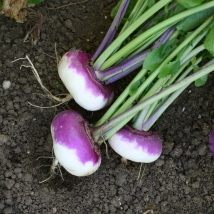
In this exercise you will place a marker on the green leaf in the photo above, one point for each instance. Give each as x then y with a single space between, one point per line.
134 86
209 41
206 55
194 20
34 1
115 9
201 81
57 84
151 3
196 68
193 61
167 13
190 3
131 5
155 57
0 4
169 69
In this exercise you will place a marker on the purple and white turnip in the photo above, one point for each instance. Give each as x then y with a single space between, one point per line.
80 81
76 143
73 144
137 146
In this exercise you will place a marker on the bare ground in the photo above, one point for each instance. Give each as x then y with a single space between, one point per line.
181 181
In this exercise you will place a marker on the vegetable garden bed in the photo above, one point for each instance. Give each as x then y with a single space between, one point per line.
180 181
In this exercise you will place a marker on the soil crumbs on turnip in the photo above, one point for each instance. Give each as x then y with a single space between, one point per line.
181 181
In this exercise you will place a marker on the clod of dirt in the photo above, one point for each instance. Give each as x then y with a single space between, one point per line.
15 9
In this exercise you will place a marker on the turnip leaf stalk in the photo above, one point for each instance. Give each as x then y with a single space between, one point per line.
112 30
133 44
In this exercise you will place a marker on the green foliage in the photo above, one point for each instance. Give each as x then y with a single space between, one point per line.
0 4
201 81
34 1
132 3
167 13
151 3
209 41
190 3
194 20
57 84
169 69
156 57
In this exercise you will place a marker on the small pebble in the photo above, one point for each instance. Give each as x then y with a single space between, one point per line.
6 84
54 210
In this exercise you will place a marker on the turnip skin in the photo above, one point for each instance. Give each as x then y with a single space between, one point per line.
137 146
73 145
81 82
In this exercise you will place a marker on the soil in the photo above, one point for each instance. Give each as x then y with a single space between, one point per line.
180 181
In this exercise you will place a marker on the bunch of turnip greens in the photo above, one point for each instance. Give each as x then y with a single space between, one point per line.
191 43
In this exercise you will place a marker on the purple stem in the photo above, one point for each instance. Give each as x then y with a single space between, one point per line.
125 67
117 72
112 30
126 72
110 39
164 37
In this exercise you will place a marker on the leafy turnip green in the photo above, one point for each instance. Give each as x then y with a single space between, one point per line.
190 3
209 42
156 57
170 62
128 11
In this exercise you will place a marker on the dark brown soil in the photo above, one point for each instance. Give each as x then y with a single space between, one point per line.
181 181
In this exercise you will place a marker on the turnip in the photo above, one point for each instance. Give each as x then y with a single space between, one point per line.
73 144
137 146
86 90
148 94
